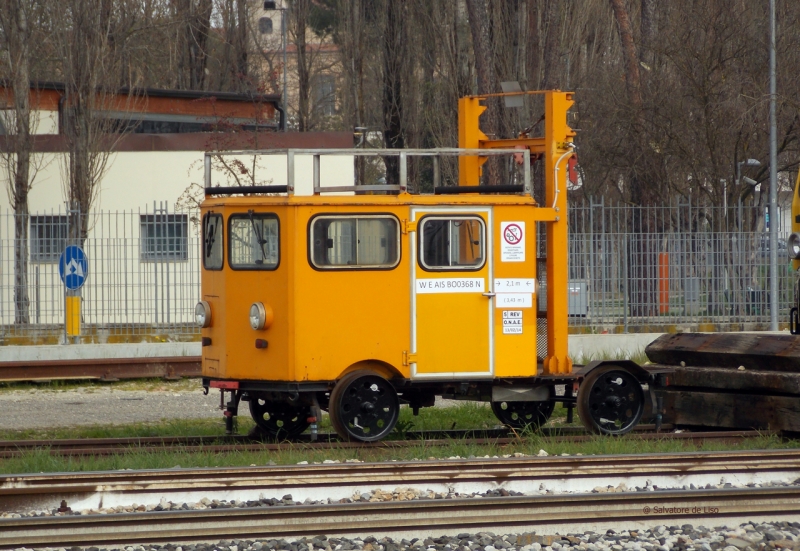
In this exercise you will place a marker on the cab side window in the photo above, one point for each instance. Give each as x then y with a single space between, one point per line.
354 242
212 242
452 243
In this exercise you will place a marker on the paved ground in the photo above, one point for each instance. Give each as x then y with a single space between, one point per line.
41 408
45 408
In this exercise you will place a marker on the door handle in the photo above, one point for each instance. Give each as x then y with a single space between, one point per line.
489 294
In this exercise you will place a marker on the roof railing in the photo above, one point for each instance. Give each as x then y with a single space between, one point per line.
403 155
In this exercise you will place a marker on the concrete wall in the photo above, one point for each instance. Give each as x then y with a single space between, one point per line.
134 180
582 348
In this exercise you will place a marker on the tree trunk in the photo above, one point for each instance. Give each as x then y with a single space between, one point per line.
241 46
16 27
299 12
198 27
648 18
487 80
630 59
552 55
393 64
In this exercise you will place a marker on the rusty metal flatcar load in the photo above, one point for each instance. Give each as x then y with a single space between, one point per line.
105 369
728 350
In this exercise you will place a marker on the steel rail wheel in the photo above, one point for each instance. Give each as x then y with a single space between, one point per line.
279 420
520 415
363 407
610 401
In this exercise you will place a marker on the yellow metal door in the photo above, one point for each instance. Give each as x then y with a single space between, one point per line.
451 318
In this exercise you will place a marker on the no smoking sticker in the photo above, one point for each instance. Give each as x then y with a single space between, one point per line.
512 242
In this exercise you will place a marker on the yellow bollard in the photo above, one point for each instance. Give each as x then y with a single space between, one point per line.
73 316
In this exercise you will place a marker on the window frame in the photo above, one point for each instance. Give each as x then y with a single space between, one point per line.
350 216
266 29
450 218
36 255
203 240
152 220
246 216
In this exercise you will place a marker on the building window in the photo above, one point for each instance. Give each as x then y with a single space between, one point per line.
452 243
164 237
324 88
48 237
355 242
265 25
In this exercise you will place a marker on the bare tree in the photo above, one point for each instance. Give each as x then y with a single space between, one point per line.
82 35
16 18
194 19
552 54
487 81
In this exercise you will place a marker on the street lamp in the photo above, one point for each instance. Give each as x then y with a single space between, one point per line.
739 165
272 5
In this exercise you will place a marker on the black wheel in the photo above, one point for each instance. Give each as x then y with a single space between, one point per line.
610 401
363 407
520 415
279 420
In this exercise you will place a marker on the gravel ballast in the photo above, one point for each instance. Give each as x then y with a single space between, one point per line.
746 537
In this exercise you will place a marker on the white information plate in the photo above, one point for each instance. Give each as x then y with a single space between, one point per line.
451 285
514 285
512 322
512 241
513 300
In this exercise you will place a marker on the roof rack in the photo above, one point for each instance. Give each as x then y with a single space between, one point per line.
402 154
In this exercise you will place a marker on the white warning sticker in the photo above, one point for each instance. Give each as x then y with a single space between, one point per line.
513 300
512 241
512 322
514 285
451 285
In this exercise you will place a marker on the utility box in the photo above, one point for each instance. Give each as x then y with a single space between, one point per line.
578 301
691 296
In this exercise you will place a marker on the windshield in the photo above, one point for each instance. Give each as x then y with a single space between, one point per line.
253 241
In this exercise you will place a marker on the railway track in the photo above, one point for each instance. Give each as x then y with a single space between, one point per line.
96 447
543 514
336 481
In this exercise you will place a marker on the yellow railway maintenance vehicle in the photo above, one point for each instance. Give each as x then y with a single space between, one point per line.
361 302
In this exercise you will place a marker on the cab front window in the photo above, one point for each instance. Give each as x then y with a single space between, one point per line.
253 241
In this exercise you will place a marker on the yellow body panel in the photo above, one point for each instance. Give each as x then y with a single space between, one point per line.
515 354
331 321
452 331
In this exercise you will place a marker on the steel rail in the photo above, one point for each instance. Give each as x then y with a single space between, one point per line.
106 369
92 490
95 447
543 514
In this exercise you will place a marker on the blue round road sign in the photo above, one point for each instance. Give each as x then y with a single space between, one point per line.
73 267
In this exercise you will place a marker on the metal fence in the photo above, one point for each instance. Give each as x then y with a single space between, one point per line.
631 269
143 275
683 264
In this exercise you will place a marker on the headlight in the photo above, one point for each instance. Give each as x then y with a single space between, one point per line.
258 316
793 245
202 314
